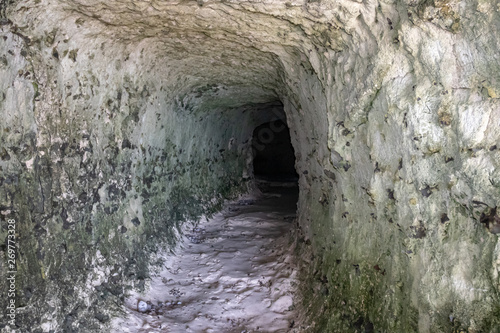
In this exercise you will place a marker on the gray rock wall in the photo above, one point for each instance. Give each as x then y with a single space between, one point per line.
122 119
100 167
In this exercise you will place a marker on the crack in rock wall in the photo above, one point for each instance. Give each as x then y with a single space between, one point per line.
123 119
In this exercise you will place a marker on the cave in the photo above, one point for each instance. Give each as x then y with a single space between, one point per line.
124 121
273 154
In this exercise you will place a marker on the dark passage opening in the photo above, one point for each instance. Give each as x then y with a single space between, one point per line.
273 154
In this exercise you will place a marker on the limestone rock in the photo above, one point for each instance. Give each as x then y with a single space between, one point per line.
114 114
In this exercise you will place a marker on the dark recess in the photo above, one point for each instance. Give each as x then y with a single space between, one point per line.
273 154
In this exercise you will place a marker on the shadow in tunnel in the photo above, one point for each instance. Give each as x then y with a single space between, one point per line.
273 153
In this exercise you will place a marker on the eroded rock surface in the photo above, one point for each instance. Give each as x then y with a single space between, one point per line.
121 119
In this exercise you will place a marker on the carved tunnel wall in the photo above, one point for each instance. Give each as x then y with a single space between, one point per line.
123 119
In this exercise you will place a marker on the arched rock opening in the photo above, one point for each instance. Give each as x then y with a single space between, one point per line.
273 154
122 119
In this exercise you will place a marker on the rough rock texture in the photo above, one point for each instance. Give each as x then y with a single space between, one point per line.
121 119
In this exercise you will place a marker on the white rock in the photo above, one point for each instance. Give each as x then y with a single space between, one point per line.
143 306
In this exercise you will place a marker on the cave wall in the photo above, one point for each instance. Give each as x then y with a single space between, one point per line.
413 117
123 119
101 164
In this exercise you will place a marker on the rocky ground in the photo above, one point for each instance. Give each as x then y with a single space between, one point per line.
235 272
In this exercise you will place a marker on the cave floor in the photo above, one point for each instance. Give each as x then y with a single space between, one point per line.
234 272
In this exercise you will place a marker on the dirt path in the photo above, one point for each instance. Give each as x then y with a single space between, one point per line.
232 273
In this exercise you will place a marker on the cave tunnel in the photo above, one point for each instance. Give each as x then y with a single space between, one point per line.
127 122
273 154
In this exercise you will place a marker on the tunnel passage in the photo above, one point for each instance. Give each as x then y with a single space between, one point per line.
121 120
273 153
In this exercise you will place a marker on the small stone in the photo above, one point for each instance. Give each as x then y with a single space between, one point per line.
426 192
143 306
